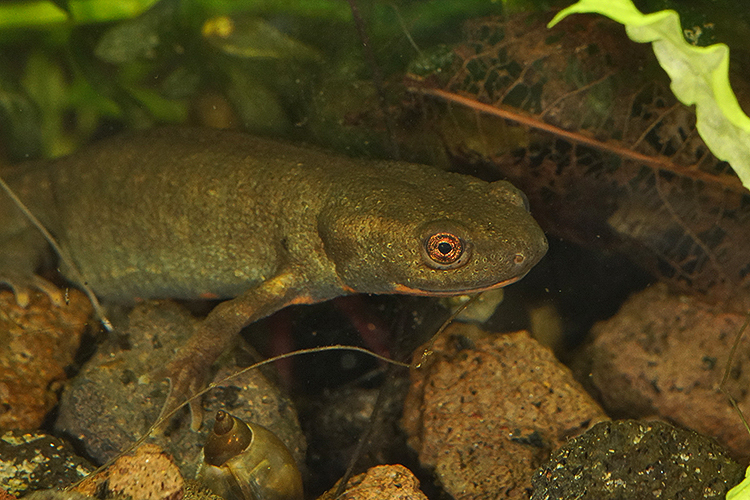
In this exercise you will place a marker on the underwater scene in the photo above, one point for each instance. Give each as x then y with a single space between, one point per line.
357 249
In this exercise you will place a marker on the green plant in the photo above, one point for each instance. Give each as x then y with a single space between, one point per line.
700 76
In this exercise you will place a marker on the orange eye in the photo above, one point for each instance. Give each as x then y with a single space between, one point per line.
445 245
444 248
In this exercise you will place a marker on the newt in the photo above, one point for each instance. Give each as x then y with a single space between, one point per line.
195 213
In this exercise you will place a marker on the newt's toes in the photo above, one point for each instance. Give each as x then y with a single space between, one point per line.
185 383
55 295
23 296
22 286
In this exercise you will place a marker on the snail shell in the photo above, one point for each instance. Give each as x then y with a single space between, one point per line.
248 462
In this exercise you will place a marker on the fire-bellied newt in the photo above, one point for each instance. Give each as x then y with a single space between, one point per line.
189 213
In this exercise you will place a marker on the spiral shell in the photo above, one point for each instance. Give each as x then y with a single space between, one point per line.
248 462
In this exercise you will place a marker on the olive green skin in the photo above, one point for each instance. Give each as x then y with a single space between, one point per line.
190 213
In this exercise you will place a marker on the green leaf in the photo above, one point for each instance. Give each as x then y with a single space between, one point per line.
136 38
252 37
44 81
160 108
257 105
700 76
19 123
742 490
40 13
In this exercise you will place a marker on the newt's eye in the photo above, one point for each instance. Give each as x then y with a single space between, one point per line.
444 250
445 244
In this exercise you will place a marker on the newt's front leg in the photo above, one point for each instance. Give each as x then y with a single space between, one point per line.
189 368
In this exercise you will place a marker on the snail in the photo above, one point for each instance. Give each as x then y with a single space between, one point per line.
248 462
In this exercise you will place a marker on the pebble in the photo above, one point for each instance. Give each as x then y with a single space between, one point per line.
32 461
146 474
394 482
485 410
113 401
639 460
664 355
37 344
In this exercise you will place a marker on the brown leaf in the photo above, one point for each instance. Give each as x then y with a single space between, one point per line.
603 150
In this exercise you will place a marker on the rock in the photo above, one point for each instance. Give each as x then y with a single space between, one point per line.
485 411
665 354
146 474
59 495
637 460
37 344
35 461
478 311
394 482
195 491
113 401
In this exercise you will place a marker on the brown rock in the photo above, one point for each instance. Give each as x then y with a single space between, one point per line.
114 400
146 474
486 413
665 354
394 482
36 344
57 495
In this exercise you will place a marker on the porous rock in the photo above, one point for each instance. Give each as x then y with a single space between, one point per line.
665 354
394 482
146 474
485 411
32 461
645 460
37 343
115 400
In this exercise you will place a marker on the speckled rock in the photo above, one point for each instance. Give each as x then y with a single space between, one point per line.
146 474
196 491
394 482
486 410
37 343
113 401
665 354
61 495
637 460
35 461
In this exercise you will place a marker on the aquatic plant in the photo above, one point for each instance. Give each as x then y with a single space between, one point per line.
700 76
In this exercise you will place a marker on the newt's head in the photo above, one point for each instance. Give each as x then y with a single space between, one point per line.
430 233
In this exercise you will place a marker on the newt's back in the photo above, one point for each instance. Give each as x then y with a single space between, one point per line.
190 213
186 213
181 213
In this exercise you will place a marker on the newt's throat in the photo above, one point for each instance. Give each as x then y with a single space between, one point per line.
403 289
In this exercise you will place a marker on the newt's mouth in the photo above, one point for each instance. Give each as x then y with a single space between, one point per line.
403 289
